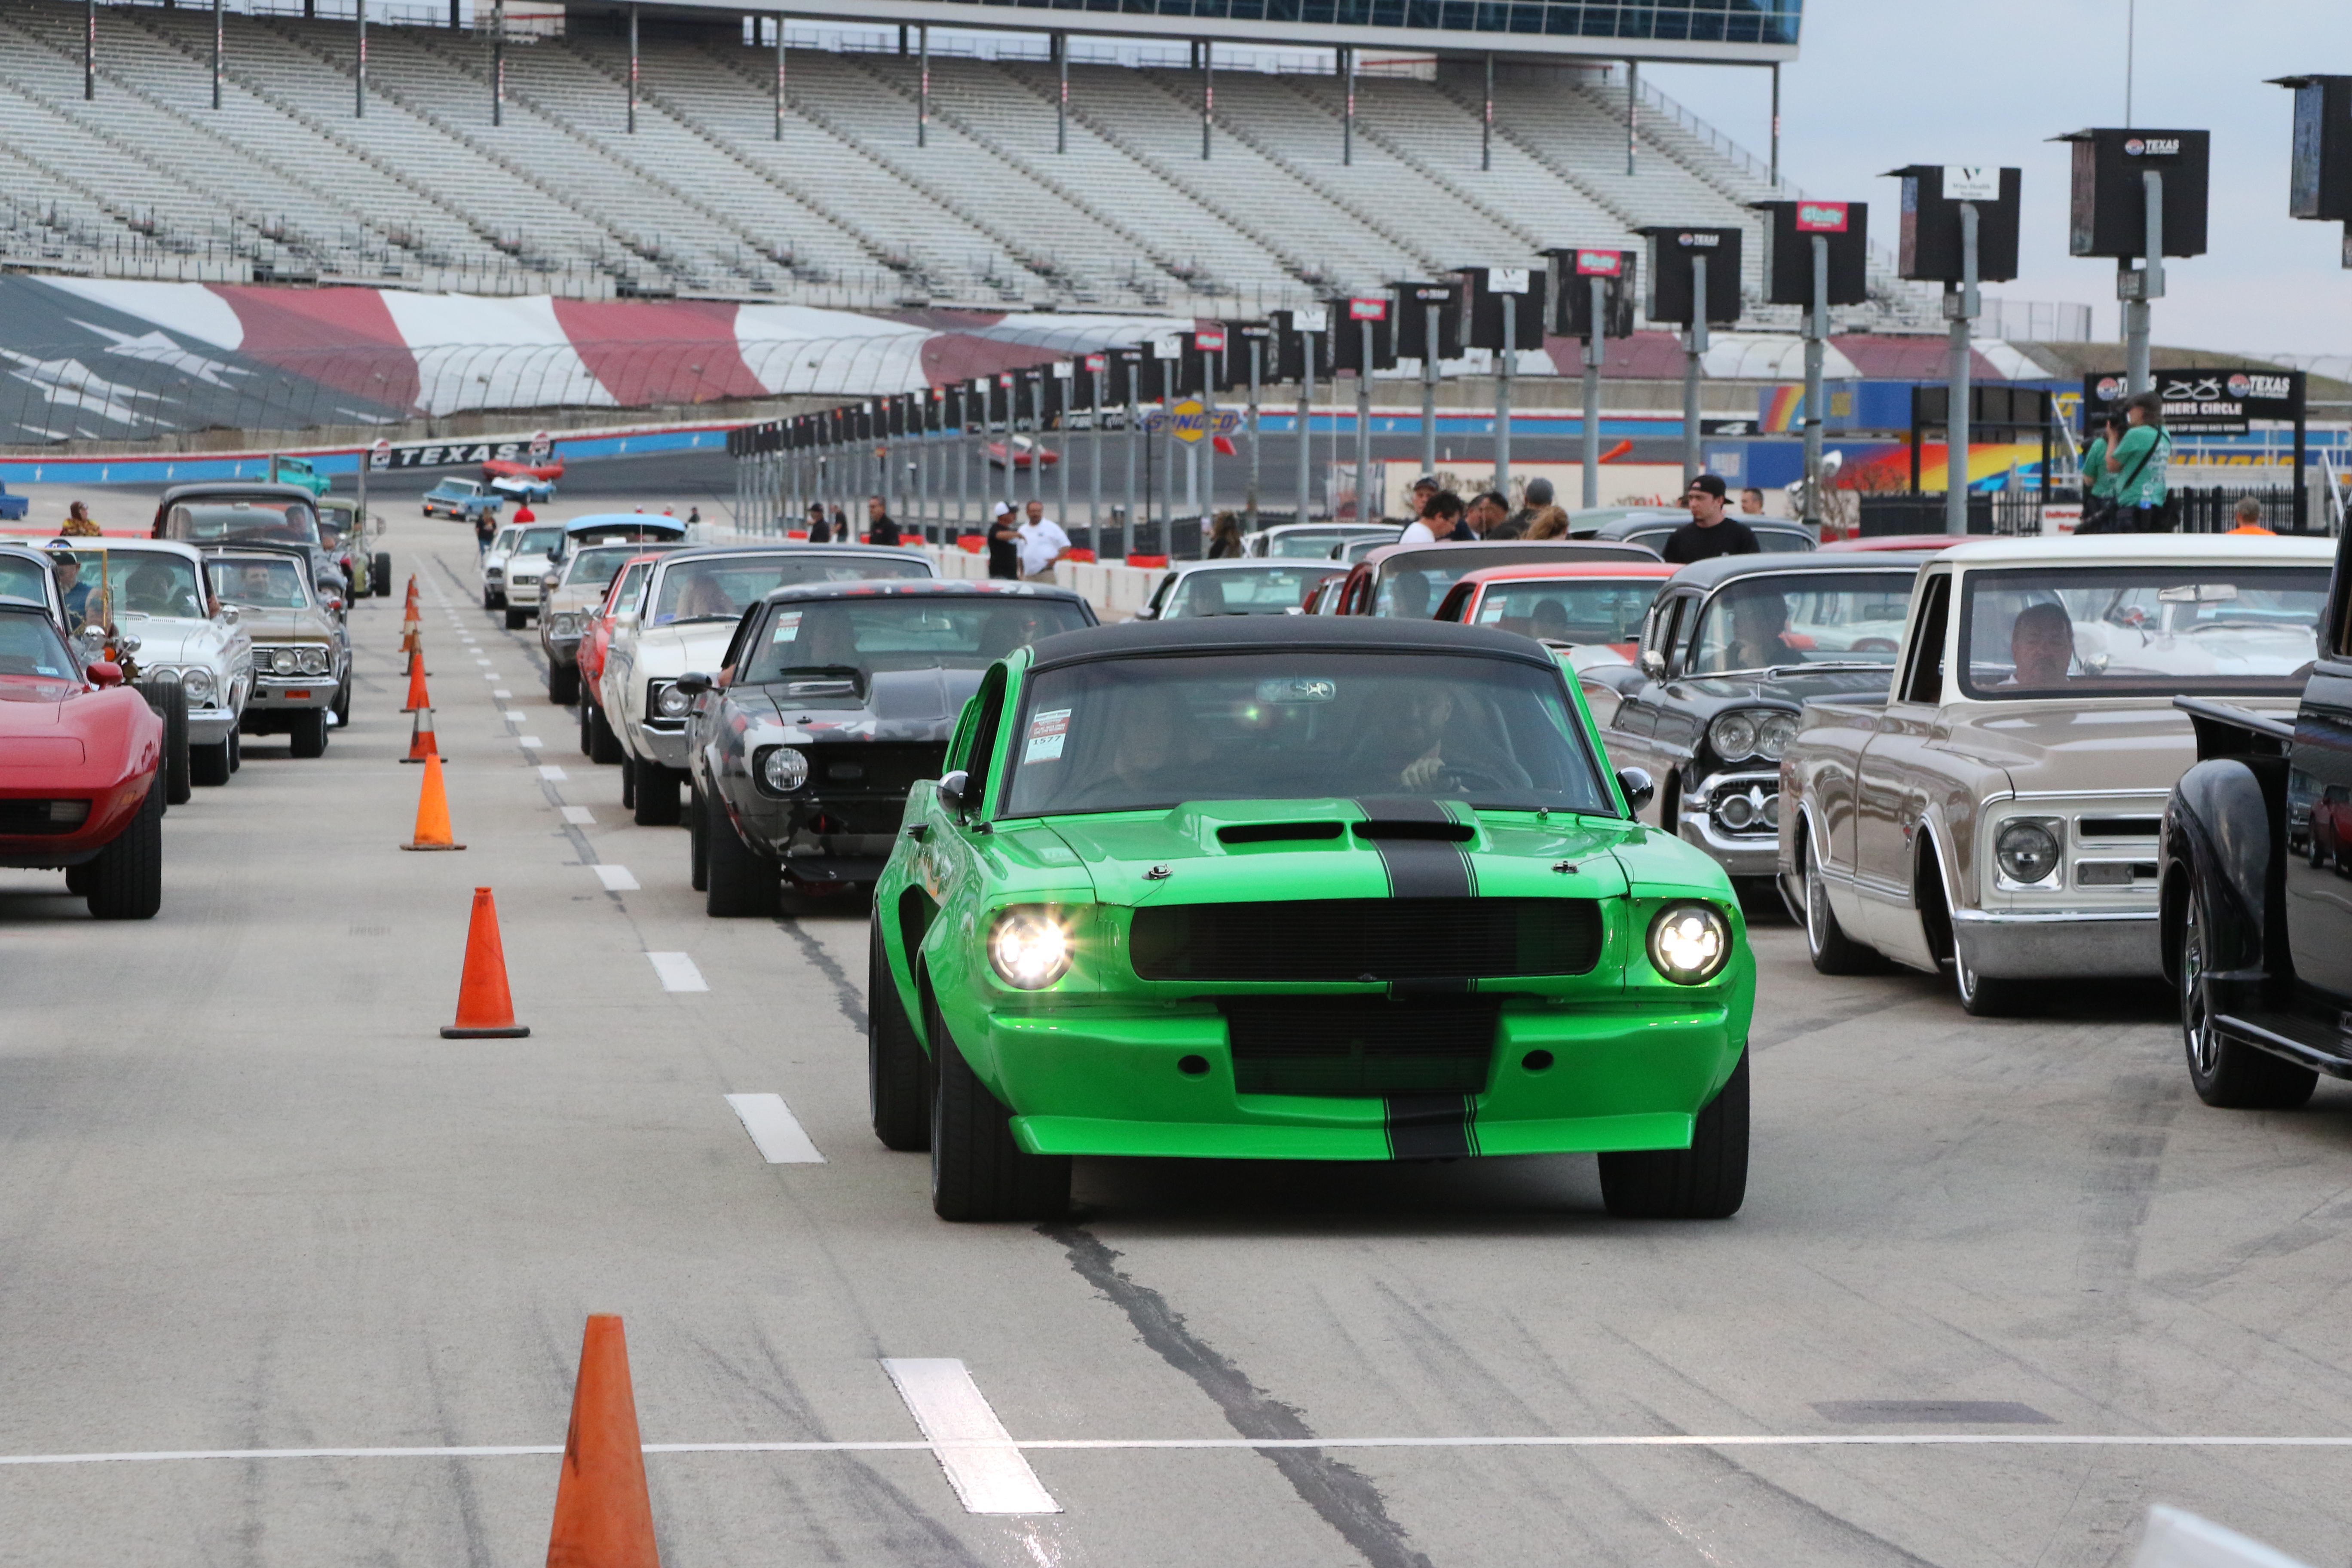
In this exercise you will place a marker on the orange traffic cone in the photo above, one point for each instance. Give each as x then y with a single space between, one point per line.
417 701
420 738
485 1011
603 1514
432 812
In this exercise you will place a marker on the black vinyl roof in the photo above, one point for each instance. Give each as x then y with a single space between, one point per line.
1285 633
1723 568
255 490
935 587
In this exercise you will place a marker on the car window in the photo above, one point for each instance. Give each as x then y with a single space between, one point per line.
259 584
596 566
1783 542
1925 681
504 541
2139 630
1665 627
23 579
802 641
1576 609
147 583
268 522
985 724
30 646
538 541
720 587
1151 734
1269 589
1781 620
633 583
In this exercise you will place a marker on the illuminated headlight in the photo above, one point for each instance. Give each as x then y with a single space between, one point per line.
670 703
285 661
2028 849
198 682
1689 943
1733 736
784 770
1029 947
564 625
1773 733
313 659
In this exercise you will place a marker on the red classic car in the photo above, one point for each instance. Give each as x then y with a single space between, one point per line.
80 752
597 742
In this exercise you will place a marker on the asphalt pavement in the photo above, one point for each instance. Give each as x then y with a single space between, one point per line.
1998 1287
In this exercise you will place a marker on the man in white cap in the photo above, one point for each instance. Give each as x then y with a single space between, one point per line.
1005 543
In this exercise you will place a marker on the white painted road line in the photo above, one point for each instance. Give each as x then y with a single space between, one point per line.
774 1129
978 1454
549 771
579 813
484 662
678 972
501 694
516 716
616 878
532 741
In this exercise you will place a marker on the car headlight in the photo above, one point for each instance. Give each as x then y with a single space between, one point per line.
1733 736
285 661
1773 733
1029 947
564 625
784 770
670 703
198 682
494 572
314 658
1689 943
2028 849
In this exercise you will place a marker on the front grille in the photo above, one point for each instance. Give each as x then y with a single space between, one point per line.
890 768
1367 939
1360 1045
33 818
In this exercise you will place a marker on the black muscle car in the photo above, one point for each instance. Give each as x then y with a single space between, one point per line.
1731 649
835 699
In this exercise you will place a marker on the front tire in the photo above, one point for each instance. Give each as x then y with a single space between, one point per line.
517 619
1832 951
209 765
978 1172
603 746
2226 1073
654 794
897 1073
166 695
380 573
306 729
125 882
742 882
1706 1180
563 683
697 840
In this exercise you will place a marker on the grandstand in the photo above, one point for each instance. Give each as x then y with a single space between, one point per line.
283 182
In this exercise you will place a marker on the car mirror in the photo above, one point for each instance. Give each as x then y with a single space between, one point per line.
1652 664
1639 788
230 615
952 788
105 672
694 682
126 642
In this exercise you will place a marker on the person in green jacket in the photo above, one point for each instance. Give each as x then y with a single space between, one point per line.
2138 463
2096 480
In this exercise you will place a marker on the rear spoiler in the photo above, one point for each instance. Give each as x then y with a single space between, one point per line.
2225 730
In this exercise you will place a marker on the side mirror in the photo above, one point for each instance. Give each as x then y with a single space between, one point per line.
952 788
106 672
1652 664
1639 787
694 682
230 615
126 642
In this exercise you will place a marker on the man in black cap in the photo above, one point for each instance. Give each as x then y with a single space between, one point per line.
1708 533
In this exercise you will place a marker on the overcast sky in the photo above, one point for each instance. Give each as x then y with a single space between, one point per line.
1883 83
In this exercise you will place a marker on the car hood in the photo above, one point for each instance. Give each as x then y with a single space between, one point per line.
278 626
31 706
1512 854
172 640
2138 743
675 650
900 705
1790 686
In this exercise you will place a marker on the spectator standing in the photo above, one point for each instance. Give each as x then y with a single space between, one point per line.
880 528
818 532
1540 496
1441 519
1489 517
1225 539
2249 515
78 523
2138 461
1751 502
1709 533
65 567
1042 542
1550 523
1004 543
840 526
2098 485
486 528
693 515
1422 488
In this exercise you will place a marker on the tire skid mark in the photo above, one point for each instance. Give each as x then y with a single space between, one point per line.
1344 1496
849 995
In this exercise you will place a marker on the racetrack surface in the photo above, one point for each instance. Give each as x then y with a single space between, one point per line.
254 1203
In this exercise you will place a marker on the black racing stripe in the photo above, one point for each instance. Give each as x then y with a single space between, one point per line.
1430 1126
1419 867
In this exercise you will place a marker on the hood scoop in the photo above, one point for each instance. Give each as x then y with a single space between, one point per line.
1277 832
1426 832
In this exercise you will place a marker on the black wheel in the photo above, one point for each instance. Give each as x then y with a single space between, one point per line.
380 574
628 782
603 746
978 1172
585 718
78 879
740 880
1826 944
897 1073
698 844
654 791
1706 1180
236 750
209 765
126 882
307 729
343 704
1985 995
2224 1072
517 619
563 683
489 600
169 700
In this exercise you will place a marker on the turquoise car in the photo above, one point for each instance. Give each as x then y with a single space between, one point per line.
299 471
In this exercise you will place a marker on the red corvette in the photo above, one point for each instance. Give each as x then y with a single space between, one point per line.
79 758
506 468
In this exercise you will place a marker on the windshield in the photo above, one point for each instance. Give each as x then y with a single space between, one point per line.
1150 733
1779 619
595 567
632 582
144 583
720 587
537 541
909 632
21 579
1315 543
30 646
271 521
1769 540
1241 591
1573 609
2140 631
1412 585
259 584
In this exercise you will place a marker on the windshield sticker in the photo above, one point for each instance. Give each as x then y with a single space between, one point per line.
1298 689
1046 733
788 627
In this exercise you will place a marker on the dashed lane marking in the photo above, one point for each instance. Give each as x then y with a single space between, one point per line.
549 772
501 693
774 1129
580 814
532 741
516 716
678 972
616 880
982 1461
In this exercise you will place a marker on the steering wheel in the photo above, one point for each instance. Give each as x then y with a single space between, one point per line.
1468 779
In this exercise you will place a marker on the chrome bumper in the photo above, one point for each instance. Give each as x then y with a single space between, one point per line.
1744 855
296 692
668 747
211 726
2059 945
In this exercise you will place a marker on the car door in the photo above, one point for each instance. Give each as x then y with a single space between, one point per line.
1892 784
946 868
1630 735
2319 897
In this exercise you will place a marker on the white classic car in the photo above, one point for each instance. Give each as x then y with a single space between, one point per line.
687 613
512 566
156 590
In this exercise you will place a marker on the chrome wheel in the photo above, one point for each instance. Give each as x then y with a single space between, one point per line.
1817 898
2197 1031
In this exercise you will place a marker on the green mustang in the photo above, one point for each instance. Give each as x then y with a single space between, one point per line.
1298 887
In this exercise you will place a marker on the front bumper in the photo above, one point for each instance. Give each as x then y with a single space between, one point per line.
211 726
2058 944
1110 1080
668 747
1739 855
292 692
